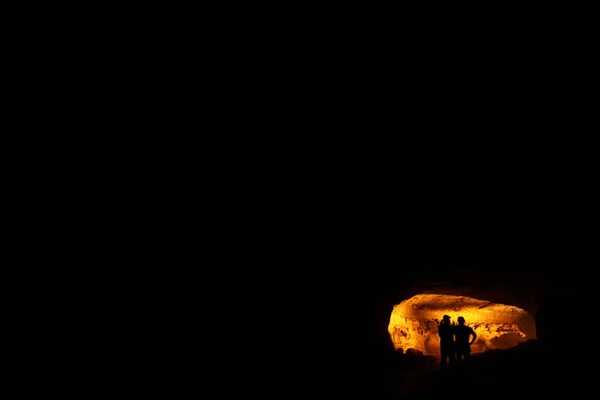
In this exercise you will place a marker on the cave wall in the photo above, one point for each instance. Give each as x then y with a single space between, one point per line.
344 328
413 323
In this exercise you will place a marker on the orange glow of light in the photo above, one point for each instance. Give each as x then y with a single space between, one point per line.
413 323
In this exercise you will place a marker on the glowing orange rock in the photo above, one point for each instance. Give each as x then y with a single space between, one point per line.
413 323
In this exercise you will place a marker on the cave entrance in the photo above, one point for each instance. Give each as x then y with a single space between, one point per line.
414 322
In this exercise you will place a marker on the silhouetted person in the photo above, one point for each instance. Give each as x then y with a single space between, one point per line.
447 351
463 342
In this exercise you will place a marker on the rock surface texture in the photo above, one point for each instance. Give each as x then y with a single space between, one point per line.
413 323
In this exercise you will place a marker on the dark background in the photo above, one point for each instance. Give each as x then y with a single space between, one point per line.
327 316
296 300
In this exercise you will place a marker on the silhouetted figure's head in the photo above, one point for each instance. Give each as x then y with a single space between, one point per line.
461 320
446 319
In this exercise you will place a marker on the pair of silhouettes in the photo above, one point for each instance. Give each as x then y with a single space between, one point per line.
455 342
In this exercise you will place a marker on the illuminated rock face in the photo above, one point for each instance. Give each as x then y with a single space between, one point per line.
414 322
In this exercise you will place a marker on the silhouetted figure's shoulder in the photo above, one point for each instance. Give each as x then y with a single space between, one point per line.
446 331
